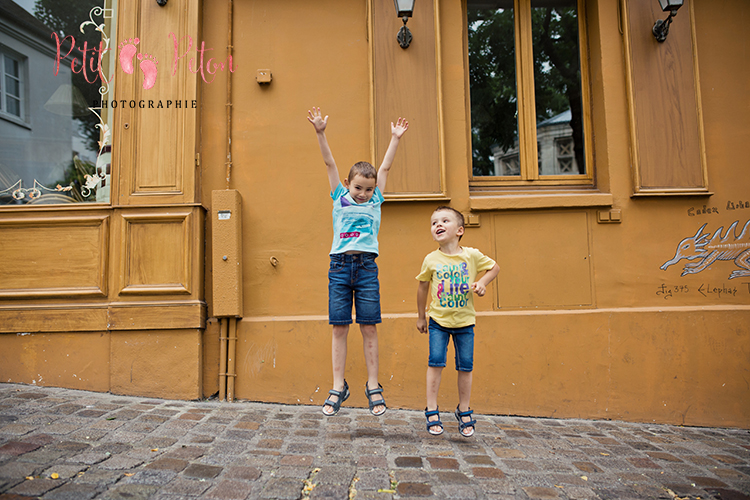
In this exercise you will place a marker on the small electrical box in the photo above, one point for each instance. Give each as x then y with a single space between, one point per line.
226 239
263 76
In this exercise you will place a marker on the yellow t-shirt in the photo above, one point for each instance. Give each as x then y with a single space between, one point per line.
452 303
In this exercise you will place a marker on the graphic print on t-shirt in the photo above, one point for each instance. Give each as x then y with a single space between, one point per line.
453 285
356 219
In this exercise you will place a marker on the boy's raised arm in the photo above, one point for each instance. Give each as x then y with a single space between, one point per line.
396 132
320 123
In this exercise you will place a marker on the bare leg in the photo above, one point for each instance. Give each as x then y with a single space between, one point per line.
370 345
338 360
434 375
464 394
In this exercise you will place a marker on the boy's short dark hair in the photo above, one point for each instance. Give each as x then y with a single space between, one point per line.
363 168
459 216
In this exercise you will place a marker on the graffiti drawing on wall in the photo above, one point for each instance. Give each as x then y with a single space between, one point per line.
704 249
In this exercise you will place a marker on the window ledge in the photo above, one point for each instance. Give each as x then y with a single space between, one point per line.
521 201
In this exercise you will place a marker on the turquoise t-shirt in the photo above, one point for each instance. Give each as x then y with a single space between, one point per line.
355 226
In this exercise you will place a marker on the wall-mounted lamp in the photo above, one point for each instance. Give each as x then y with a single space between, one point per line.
661 28
405 8
161 3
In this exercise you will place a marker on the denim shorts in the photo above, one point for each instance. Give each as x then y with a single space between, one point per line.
353 278
463 343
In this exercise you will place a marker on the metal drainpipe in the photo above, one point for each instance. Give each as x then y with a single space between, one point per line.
223 359
228 335
231 375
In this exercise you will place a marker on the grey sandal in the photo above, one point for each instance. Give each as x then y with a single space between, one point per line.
373 404
343 395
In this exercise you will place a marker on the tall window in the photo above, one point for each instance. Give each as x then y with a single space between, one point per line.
55 140
527 92
11 87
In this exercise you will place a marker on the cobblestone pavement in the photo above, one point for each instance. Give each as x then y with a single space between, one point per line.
65 444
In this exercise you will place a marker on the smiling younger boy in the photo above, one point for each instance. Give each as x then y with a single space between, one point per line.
450 274
353 274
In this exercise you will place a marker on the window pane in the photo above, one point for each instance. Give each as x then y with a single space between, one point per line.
557 87
13 106
55 144
492 80
12 87
11 67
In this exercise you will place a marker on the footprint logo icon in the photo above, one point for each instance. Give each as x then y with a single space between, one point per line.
148 66
127 50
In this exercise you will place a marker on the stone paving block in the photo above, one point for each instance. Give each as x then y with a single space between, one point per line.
408 461
643 463
524 465
201 471
17 429
488 473
15 448
130 492
576 493
728 494
186 487
35 487
707 482
587 467
373 480
72 491
443 463
378 462
479 460
335 475
334 491
455 492
508 453
298 460
120 462
229 490
63 471
293 472
451 477
172 464
406 490
187 452
90 457
98 477
282 489
150 477
243 473
411 476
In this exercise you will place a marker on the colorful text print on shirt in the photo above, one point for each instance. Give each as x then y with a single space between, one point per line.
453 287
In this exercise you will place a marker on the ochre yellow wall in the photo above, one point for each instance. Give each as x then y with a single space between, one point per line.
599 343
575 324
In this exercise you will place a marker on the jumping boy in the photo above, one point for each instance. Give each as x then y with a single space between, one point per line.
452 270
353 274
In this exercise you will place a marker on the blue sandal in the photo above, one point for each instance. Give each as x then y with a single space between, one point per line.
343 395
373 404
433 423
463 425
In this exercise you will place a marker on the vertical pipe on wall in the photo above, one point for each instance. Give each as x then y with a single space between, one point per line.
223 358
230 47
231 359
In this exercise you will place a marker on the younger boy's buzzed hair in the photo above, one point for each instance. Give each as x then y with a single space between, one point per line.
363 168
459 216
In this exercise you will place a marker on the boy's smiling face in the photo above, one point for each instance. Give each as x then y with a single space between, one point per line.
360 188
444 226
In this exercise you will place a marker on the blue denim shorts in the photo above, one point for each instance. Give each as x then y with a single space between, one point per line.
353 279
463 343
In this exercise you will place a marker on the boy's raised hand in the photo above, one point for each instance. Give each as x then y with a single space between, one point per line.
320 123
401 126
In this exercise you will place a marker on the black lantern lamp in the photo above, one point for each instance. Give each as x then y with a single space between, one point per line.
405 8
661 28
